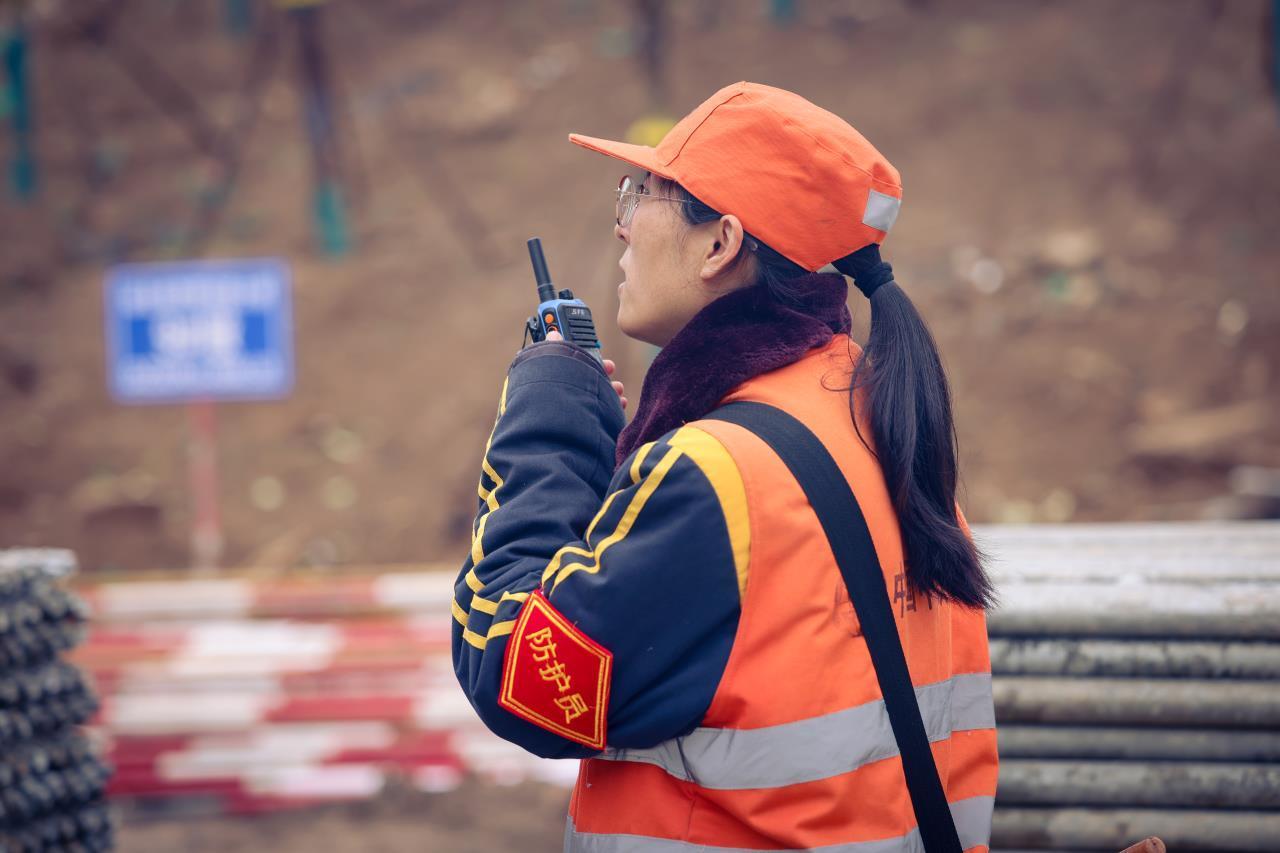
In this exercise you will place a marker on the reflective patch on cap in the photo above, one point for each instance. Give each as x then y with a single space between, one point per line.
882 211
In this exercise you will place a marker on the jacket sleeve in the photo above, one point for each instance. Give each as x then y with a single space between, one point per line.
648 562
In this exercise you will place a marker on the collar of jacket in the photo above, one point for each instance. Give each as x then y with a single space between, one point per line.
739 336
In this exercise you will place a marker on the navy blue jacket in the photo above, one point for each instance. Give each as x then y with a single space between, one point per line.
640 558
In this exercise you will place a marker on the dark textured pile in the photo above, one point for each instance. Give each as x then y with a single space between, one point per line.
52 783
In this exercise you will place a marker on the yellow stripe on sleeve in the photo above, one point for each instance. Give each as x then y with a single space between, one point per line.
639 460
477 550
497 629
467 634
638 500
721 471
556 561
554 565
500 629
489 496
459 613
484 605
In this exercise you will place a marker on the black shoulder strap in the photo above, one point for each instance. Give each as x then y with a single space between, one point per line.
837 509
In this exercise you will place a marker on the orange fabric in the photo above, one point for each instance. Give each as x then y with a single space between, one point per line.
868 804
798 176
797 653
635 799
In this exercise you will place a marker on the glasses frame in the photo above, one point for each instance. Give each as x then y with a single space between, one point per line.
629 199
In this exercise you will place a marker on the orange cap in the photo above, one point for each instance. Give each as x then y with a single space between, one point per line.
800 178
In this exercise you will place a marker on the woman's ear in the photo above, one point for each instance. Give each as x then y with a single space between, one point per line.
723 247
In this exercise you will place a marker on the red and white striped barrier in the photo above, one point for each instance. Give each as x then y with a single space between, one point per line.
246 693
400 589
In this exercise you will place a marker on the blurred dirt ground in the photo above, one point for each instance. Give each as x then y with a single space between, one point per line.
1092 202
476 818
1092 197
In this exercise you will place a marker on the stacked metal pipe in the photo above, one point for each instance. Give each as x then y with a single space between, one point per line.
51 780
1137 685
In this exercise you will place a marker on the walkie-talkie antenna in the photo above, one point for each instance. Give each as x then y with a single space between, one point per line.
546 290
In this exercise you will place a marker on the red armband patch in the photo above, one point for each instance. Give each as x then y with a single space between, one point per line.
555 676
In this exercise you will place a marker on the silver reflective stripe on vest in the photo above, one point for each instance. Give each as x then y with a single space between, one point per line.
816 748
972 817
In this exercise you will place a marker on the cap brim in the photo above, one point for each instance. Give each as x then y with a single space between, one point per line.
637 155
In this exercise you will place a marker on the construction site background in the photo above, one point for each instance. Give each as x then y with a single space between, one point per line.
1092 197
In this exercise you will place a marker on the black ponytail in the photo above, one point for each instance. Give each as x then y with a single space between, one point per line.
908 404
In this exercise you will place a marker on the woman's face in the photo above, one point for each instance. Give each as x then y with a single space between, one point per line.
663 287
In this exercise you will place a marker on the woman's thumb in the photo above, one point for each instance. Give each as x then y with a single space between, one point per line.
553 335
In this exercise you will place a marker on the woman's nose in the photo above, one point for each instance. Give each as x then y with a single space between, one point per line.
622 234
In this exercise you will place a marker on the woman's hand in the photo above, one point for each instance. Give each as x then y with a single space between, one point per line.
609 368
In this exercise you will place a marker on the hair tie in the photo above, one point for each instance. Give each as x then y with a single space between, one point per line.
868 271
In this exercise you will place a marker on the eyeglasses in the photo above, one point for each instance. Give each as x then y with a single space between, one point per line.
630 191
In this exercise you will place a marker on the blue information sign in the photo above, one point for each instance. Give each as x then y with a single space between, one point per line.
199 330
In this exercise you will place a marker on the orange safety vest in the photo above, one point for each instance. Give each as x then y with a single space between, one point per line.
796 749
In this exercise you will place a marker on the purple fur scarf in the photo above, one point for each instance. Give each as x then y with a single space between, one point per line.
739 336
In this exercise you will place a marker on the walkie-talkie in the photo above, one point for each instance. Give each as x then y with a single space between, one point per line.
559 312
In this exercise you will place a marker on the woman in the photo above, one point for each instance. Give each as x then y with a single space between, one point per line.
660 599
